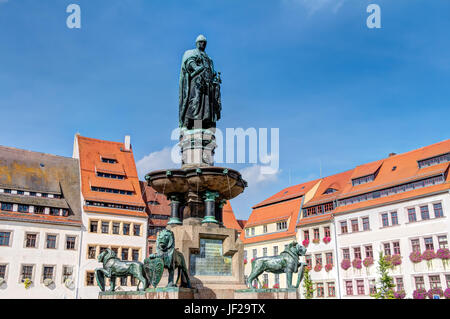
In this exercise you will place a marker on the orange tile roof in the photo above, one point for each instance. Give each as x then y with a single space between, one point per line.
114 211
90 153
39 218
115 168
228 218
271 213
315 219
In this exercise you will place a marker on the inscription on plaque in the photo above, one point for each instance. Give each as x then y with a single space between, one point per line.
210 261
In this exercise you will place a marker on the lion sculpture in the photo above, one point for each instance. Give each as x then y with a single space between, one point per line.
287 262
113 268
172 259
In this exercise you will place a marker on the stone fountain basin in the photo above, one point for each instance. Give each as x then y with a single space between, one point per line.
227 182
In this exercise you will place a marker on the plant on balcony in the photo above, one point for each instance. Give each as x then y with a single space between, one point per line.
400 294
396 260
326 239
48 282
318 267
276 286
368 261
245 261
305 242
328 267
415 257
447 293
27 283
420 293
253 259
357 263
435 291
345 264
255 285
444 255
308 267
316 240
429 255
68 283
265 285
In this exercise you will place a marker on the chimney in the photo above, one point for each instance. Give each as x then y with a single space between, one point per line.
392 154
127 143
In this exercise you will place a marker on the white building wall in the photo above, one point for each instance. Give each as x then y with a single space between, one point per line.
17 255
403 232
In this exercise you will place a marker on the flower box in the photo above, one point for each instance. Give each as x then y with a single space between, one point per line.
326 240
368 261
316 240
420 293
415 257
308 268
396 260
443 253
305 243
428 255
318 267
245 261
357 263
328 267
276 286
447 293
400 294
435 291
345 264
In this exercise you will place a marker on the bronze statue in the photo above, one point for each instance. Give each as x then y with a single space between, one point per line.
115 268
199 88
287 262
171 259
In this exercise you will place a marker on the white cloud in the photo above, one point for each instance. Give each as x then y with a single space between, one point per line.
315 5
154 161
255 176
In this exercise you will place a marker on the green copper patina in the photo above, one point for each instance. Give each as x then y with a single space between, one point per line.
287 262
200 99
170 258
115 268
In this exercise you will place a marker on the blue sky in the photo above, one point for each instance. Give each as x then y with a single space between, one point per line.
341 94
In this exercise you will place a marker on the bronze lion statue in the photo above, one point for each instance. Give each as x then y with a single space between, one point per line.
113 268
172 259
287 262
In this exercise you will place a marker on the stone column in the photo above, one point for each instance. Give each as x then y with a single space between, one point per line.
175 201
210 207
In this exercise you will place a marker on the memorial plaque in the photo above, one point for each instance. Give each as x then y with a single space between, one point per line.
210 261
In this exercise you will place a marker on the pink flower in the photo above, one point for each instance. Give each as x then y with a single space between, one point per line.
420 294
399 294
357 263
328 267
276 286
368 261
447 293
326 240
396 260
305 242
435 291
318 267
415 257
443 253
308 268
253 259
265 285
245 261
428 254
345 264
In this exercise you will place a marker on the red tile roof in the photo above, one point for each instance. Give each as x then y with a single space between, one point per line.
229 220
38 218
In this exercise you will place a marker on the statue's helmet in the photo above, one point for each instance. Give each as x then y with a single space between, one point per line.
201 37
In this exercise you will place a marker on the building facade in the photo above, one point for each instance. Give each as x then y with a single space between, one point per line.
113 211
40 225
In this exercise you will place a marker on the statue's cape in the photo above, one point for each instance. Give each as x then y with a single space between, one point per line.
184 82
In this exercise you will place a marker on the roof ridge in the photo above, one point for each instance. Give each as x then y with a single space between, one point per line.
99 140
10 148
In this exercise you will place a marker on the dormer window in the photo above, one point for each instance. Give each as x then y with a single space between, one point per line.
330 191
282 225
109 160
363 179
434 160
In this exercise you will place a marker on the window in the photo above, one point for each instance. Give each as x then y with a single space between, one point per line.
363 179
320 290
327 231
109 160
435 281
124 253
93 226
429 243
387 249
44 195
329 258
316 233
346 253
7 207
385 220
357 252
412 215
54 211
102 249
282 225
360 287
355 227
123 281
365 222
275 250
447 279
67 273
115 228
136 230
70 242
331 289
266 279
372 286
264 252
245 254
135 254
369 251
65 212
27 272
425 214
254 253
306 234
91 252
23 208
349 287
116 250
39 209
90 278
277 279
308 260
399 283
344 229
318 259
4 238
438 210
396 247
48 272
7 191
434 160
394 218
126 229
420 283
51 241
253 231
30 241
265 229
443 243
3 271
105 227
330 191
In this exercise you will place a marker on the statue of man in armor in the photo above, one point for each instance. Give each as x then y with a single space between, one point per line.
199 89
